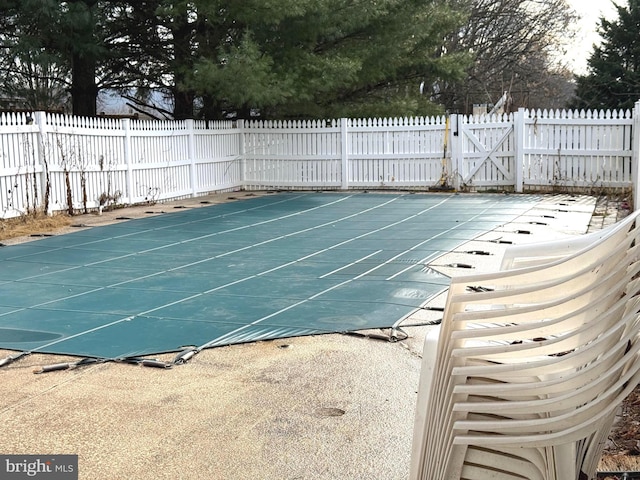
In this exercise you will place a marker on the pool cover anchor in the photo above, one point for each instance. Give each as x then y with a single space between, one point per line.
180 359
185 355
12 358
371 336
155 364
397 329
68 365
145 362
396 332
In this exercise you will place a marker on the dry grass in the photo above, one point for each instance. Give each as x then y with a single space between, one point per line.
619 463
622 453
32 224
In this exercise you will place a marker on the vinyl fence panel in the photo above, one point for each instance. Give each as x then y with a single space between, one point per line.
578 149
20 167
396 153
292 154
58 162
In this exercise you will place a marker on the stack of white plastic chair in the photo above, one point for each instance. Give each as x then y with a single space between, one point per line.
524 376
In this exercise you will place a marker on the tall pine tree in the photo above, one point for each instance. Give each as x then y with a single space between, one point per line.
613 74
229 58
324 58
51 44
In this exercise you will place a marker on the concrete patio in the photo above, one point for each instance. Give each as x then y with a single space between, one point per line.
321 407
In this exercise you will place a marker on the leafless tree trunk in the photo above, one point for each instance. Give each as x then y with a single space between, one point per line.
516 46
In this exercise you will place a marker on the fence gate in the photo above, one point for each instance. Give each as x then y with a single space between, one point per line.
483 151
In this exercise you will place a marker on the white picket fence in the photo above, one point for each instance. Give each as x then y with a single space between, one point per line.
85 163
94 162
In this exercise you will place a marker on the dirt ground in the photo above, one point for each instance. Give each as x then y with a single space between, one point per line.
621 454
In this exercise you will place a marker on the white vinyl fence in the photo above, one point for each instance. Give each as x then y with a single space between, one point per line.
57 162
54 161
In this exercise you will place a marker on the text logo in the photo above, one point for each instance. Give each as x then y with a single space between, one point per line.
49 467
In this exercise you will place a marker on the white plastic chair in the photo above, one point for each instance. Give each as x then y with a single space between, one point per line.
519 256
524 376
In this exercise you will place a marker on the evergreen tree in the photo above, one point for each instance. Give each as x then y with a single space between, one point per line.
225 59
152 51
612 80
84 47
322 58
51 44
34 76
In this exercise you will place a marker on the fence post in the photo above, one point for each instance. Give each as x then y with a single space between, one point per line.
519 129
45 187
456 141
242 148
125 123
635 156
344 153
191 148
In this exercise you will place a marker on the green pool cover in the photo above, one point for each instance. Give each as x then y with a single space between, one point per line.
266 267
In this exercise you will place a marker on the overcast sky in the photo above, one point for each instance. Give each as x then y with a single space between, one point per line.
590 11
